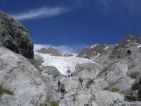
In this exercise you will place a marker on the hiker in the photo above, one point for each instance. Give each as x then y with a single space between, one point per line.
68 72
71 74
80 80
91 81
62 90
59 85
105 76
129 54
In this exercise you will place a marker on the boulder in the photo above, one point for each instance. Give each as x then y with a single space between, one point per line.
116 74
38 60
87 70
50 70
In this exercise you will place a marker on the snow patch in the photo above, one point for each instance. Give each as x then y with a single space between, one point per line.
128 40
116 44
93 46
63 63
139 46
106 48
98 55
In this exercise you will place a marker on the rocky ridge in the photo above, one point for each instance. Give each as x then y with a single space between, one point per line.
50 50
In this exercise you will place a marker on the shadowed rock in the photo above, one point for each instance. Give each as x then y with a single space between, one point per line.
14 36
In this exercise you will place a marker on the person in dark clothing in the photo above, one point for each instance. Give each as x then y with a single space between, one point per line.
90 81
68 71
59 85
71 75
129 52
80 80
62 90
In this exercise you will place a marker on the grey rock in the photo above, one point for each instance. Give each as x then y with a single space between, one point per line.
116 74
37 61
50 70
87 70
68 54
22 78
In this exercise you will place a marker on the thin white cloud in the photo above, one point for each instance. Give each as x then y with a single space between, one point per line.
43 12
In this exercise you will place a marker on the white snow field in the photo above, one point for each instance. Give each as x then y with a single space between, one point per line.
63 63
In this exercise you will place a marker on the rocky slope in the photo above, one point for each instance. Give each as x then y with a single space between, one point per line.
121 70
14 36
111 73
109 81
23 84
21 78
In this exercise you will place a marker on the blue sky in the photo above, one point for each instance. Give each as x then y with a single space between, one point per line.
76 23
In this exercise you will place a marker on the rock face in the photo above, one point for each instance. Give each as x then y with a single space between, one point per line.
19 76
14 36
95 51
22 84
116 75
88 70
89 94
52 71
51 51
130 42
38 60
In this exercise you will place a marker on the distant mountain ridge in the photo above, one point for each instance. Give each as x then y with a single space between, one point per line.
116 50
52 51
95 50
